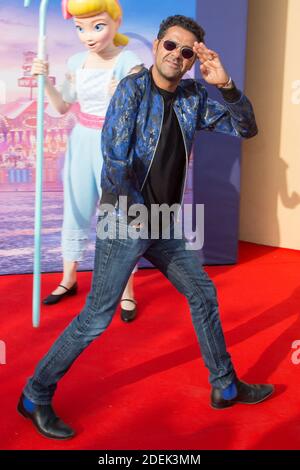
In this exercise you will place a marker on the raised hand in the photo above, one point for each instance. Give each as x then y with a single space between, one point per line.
211 67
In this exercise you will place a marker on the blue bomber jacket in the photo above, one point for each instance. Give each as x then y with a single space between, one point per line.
133 126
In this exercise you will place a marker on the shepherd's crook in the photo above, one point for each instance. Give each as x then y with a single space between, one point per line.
39 166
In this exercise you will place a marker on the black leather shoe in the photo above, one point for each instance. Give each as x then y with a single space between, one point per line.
128 315
248 394
46 422
55 298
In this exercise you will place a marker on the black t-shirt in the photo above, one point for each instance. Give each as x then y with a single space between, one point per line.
164 183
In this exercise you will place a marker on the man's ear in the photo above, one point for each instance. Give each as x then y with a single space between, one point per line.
155 46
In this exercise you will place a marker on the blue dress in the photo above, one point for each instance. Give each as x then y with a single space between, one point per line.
83 162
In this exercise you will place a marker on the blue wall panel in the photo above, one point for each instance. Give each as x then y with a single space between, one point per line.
217 157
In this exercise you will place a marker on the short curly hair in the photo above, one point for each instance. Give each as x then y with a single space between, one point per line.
184 22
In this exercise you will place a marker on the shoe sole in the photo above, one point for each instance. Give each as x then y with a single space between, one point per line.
26 416
224 407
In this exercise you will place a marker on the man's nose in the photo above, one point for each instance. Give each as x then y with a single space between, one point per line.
177 52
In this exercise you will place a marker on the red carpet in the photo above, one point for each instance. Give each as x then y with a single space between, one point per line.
143 385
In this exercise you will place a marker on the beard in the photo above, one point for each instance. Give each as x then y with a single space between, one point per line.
172 75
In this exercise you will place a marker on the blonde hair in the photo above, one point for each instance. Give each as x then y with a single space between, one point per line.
85 8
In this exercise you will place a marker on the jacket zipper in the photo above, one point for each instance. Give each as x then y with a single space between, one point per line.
186 159
161 125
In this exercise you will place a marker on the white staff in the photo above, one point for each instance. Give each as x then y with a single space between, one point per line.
39 166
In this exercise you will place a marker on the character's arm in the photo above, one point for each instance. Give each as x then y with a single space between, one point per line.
130 64
40 67
135 69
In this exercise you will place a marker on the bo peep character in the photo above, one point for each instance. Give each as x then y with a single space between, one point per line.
91 80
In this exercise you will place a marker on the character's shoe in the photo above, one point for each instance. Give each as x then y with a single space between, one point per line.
46 422
128 315
55 298
247 394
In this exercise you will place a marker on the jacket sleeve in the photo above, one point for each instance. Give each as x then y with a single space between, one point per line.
232 118
117 139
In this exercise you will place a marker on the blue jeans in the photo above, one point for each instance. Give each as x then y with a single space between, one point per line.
114 262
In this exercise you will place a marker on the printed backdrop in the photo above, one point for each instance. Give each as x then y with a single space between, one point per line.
214 175
19 28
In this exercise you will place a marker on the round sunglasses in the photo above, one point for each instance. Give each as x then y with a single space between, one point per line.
186 52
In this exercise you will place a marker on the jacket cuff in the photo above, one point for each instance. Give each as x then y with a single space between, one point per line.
231 95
